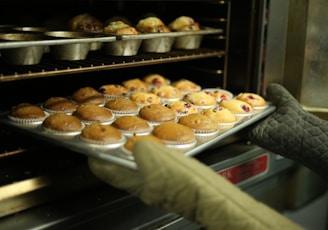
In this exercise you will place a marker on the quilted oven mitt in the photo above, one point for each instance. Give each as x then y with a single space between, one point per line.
292 132
169 180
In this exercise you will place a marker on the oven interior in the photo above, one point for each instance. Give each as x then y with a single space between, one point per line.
48 187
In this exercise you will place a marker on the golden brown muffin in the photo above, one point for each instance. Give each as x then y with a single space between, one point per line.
91 113
88 95
97 133
59 105
184 23
122 106
157 113
200 98
185 85
113 90
252 99
145 98
132 125
152 25
167 92
220 114
200 123
236 106
156 79
219 94
132 140
174 133
85 22
135 85
120 27
62 123
27 111
182 108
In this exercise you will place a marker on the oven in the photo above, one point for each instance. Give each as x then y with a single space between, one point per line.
46 186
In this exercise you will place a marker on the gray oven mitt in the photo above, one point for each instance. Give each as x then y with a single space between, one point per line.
169 180
293 133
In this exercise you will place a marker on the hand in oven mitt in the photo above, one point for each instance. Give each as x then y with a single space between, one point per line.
292 132
169 180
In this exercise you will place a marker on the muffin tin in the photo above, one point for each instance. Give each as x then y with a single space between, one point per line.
115 154
72 46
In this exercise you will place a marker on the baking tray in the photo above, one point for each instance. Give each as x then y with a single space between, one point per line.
116 155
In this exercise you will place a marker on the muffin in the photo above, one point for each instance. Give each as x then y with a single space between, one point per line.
184 23
26 113
186 86
90 113
152 25
62 124
157 113
85 22
145 98
240 109
224 117
88 95
122 106
257 102
135 85
156 80
129 144
199 123
113 91
175 135
167 93
219 94
102 135
132 125
200 99
59 105
182 108
119 27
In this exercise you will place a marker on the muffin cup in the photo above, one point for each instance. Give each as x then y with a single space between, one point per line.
224 126
243 116
180 145
27 122
119 113
62 133
259 109
108 122
188 42
122 47
157 45
104 144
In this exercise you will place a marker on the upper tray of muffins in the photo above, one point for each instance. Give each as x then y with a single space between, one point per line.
106 121
84 33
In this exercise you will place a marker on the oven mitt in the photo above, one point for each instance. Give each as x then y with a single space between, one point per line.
169 180
292 132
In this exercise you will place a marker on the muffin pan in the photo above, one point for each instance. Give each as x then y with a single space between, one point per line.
116 154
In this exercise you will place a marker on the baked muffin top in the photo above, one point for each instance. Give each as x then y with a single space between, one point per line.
88 95
113 90
120 27
59 105
157 113
220 114
185 85
155 79
62 122
174 132
182 108
184 23
132 124
152 25
236 106
167 92
135 85
122 105
200 123
200 98
102 134
252 99
145 98
27 111
93 113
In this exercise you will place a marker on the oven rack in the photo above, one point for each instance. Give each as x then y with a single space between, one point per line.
96 61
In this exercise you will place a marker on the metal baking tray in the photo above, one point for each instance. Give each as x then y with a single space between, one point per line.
116 154
203 31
